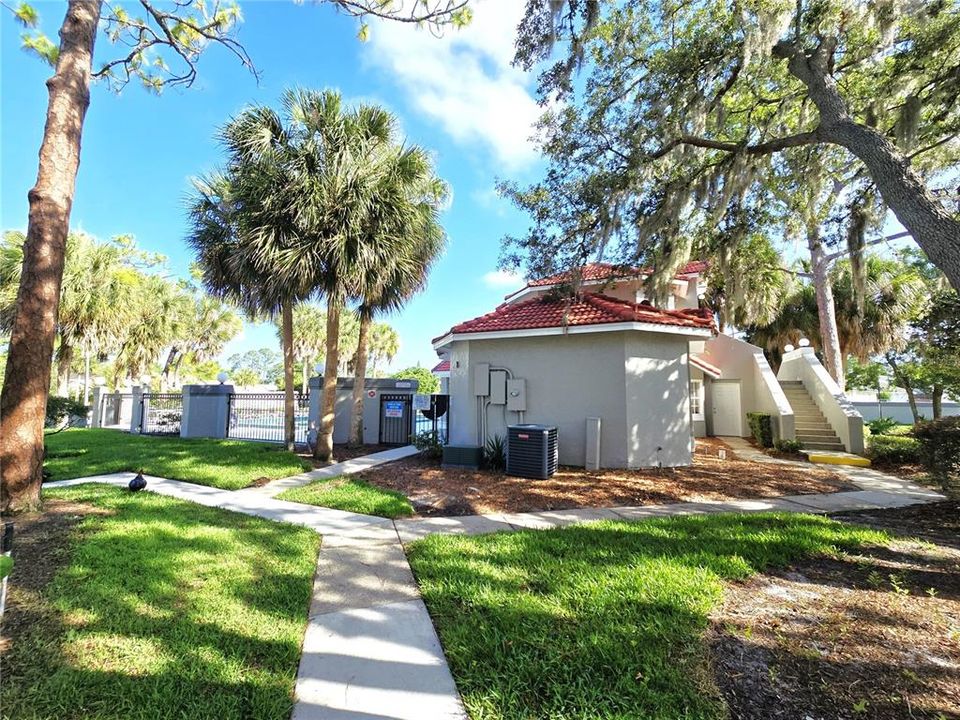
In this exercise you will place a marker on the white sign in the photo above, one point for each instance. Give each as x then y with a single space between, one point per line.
421 402
403 384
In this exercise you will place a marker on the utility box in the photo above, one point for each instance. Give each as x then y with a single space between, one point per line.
462 456
498 387
481 379
592 461
517 395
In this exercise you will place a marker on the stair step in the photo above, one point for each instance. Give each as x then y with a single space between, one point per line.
816 433
836 447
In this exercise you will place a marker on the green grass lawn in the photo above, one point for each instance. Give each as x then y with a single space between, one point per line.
164 609
227 464
600 621
351 494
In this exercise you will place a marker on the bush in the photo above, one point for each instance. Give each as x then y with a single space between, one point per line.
882 426
762 428
62 410
428 384
429 445
788 446
940 448
894 450
495 453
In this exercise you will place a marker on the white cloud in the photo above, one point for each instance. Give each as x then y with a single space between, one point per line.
502 279
464 79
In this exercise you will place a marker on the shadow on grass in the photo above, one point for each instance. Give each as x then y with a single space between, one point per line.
603 620
165 609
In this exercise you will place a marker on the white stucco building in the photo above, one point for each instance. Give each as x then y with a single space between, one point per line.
652 378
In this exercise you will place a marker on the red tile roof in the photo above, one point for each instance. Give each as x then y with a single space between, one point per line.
708 368
442 366
608 271
588 309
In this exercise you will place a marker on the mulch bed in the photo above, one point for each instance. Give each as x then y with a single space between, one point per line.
41 547
871 634
437 491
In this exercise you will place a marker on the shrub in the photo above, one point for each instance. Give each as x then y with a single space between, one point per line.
495 453
62 410
940 448
894 450
428 384
882 426
429 445
788 446
762 428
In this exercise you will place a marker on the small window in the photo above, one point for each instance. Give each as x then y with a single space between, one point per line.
696 399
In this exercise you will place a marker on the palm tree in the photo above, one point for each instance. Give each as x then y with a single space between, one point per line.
309 338
208 325
383 347
282 222
408 234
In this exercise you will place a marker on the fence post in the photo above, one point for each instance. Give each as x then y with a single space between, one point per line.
205 409
96 407
136 411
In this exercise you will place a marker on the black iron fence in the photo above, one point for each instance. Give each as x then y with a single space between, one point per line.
161 413
434 419
259 416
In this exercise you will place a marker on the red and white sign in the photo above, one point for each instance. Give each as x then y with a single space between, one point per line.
371 393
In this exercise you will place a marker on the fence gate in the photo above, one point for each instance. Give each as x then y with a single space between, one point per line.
434 419
259 416
396 418
160 413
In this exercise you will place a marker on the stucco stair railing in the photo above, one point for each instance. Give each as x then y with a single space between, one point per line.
812 427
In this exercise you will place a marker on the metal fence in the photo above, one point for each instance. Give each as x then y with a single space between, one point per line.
259 416
435 419
161 413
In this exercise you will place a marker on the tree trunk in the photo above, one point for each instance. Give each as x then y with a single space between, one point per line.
936 397
289 419
359 380
64 360
86 375
826 309
305 378
328 403
168 366
904 382
903 190
23 401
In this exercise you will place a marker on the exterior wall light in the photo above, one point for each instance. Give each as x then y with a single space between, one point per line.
222 377
319 367
804 342
788 348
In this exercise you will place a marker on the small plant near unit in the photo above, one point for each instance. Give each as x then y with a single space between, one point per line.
495 453
761 426
790 447
882 426
428 443
894 450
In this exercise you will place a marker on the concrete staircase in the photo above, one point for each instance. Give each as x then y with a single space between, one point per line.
812 427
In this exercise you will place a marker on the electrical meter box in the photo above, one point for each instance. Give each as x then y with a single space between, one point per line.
481 379
498 387
517 395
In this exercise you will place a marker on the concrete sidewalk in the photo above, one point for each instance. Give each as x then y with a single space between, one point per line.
370 651
347 467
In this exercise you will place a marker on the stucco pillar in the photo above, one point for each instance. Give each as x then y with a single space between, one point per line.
206 411
96 407
136 410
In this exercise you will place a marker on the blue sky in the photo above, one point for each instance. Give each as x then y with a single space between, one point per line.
456 96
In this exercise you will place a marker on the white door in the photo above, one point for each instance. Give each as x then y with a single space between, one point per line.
726 408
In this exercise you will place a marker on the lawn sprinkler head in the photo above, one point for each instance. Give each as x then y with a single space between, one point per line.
138 483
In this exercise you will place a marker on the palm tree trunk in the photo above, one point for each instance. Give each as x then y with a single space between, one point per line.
289 422
23 401
328 404
826 308
86 375
359 380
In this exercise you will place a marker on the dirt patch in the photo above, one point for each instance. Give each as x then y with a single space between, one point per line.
342 453
872 634
41 547
438 491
